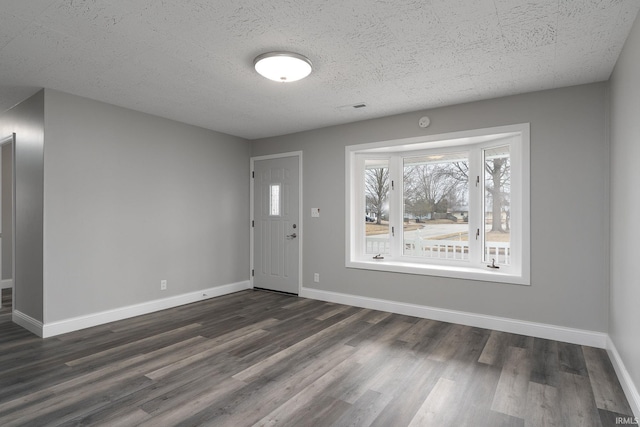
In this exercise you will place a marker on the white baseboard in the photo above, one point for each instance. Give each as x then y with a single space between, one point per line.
539 330
27 322
629 387
76 323
6 284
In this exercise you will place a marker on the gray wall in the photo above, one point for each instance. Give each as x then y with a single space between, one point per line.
131 199
625 204
569 171
7 211
27 121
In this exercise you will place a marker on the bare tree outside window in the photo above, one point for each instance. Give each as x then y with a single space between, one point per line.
436 198
497 186
497 212
377 191
435 184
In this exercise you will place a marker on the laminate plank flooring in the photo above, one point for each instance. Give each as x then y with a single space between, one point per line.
257 358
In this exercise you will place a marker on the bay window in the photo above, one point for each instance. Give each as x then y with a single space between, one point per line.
454 205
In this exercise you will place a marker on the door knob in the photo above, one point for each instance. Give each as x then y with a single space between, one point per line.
291 236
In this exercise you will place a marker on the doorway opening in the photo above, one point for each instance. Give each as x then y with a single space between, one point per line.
7 223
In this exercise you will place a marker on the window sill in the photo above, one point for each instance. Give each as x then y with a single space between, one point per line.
454 272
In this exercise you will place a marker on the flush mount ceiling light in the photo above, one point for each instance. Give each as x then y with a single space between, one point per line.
282 66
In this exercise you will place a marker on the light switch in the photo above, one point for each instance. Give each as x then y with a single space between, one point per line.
315 212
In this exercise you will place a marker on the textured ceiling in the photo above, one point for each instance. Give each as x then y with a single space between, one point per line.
191 60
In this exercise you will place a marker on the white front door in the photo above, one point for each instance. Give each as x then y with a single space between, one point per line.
276 231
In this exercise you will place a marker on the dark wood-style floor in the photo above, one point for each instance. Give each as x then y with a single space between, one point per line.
259 358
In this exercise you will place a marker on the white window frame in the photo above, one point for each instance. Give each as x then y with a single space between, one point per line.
518 138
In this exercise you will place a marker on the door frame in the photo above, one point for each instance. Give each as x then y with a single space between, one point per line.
11 139
252 160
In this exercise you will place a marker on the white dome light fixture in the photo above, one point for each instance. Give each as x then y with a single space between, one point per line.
282 66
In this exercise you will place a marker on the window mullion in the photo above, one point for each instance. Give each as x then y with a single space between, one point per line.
475 206
396 205
359 192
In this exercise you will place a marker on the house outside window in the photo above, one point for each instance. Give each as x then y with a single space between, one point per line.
454 205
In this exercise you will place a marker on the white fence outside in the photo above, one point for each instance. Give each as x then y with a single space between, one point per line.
376 245
441 249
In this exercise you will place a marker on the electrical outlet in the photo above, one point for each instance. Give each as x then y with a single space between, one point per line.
163 285
316 277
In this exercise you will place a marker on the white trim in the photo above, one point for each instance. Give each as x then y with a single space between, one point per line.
629 387
94 319
449 139
29 323
300 233
453 271
522 327
6 284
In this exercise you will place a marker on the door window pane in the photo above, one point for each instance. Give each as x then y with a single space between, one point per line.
497 212
274 200
376 215
436 206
